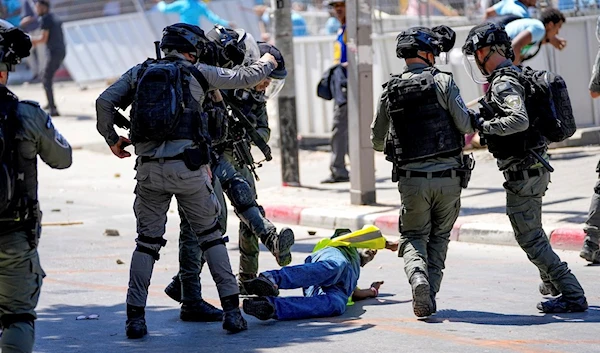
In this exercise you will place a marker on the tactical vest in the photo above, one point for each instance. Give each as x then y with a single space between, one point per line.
190 123
513 145
424 129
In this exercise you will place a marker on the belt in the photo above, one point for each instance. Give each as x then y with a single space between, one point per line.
523 174
448 173
146 159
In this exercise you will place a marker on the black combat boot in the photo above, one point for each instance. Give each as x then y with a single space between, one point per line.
547 288
260 308
422 306
279 244
173 290
233 321
135 326
200 311
261 286
563 305
590 251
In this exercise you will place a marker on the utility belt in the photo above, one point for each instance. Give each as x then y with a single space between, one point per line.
194 158
464 172
26 217
524 174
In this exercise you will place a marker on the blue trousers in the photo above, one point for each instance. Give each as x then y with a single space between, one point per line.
327 283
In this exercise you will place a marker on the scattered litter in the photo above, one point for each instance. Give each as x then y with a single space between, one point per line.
312 232
171 211
88 317
56 210
117 175
69 202
111 233
56 224
120 262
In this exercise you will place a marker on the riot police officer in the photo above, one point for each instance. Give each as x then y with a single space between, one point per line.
419 124
171 141
236 48
515 143
26 131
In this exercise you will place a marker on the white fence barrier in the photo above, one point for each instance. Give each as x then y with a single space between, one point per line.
104 48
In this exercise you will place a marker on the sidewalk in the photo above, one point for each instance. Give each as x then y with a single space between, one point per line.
482 217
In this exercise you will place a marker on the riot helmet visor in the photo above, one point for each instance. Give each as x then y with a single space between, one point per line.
274 87
472 69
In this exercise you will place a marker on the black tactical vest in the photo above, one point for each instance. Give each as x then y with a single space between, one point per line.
514 145
167 105
424 129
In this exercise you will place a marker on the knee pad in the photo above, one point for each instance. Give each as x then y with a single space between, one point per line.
209 244
240 194
145 250
9 319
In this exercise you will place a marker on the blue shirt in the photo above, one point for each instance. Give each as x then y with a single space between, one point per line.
13 6
190 12
339 49
298 23
347 277
511 7
535 27
332 25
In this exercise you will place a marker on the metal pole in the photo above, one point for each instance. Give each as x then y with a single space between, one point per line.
286 100
360 101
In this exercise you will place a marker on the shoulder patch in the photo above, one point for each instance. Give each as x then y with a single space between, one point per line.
514 101
224 72
501 87
60 140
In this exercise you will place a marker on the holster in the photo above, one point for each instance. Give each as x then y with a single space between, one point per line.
194 158
468 164
33 222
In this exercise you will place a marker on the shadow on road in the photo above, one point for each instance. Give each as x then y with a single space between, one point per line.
59 331
497 319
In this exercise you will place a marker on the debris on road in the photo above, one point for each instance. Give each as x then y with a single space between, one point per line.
88 317
111 233
312 232
59 224
120 262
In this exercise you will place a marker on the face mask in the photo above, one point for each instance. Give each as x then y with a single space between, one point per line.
473 70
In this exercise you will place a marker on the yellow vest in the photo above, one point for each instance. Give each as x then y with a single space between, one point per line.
369 237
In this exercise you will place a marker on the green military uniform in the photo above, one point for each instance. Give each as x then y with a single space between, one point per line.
591 249
430 205
526 183
20 271
248 241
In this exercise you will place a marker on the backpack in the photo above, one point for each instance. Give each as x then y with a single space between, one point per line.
158 101
8 152
548 104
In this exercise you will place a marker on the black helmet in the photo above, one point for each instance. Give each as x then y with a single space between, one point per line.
230 45
436 40
486 35
331 2
280 72
14 45
186 38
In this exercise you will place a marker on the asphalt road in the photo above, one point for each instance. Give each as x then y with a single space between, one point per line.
487 303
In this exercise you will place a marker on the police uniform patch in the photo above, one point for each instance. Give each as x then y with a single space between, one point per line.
224 72
514 102
49 122
461 104
60 140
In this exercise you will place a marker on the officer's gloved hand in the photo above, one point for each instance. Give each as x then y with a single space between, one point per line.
476 120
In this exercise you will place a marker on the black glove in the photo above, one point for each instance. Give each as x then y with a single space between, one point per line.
476 120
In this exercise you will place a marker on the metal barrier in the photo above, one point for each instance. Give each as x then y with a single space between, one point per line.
104 48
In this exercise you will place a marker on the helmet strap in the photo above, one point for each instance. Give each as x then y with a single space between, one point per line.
485 60
425 59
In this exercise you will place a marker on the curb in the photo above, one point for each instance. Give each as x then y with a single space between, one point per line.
482 233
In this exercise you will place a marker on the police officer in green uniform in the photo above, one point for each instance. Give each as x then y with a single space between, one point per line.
26 131
236 48
420 123
591 250
174 161
515 143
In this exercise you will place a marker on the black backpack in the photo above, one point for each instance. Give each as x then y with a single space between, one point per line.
8 152
158 102
548 104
